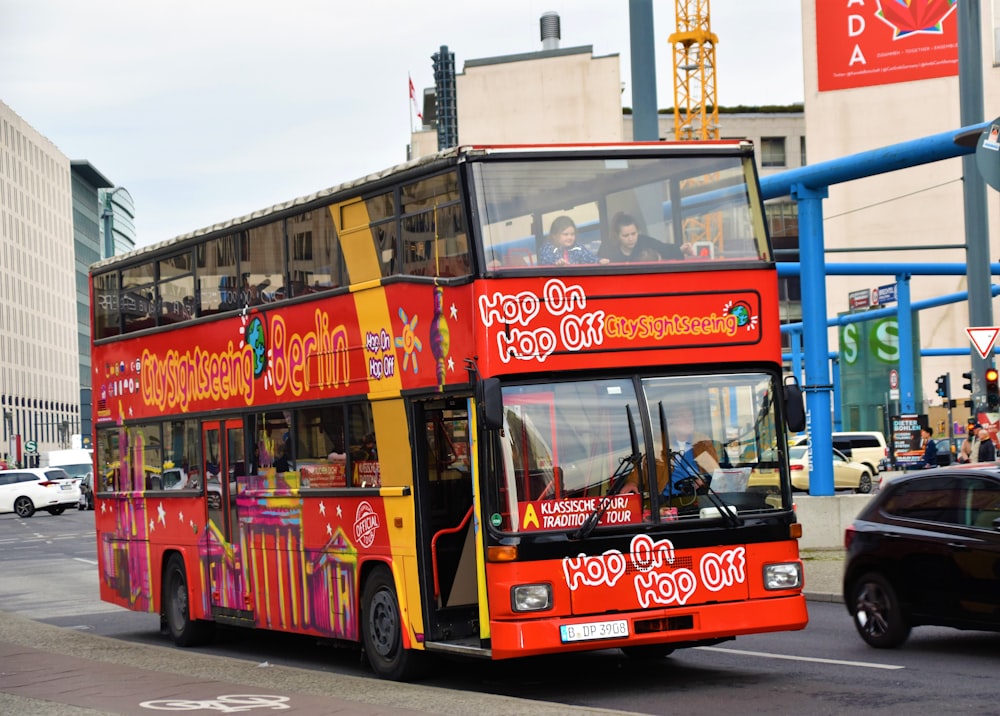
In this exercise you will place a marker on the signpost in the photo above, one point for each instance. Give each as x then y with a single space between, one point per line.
893 384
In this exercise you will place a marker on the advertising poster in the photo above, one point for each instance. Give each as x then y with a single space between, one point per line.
906 451
864 43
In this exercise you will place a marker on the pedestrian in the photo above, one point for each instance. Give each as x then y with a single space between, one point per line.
966 452
987 450
930 448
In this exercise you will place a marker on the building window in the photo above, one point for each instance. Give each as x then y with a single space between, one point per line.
802 149
772 151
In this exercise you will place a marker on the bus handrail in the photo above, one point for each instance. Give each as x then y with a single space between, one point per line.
434 539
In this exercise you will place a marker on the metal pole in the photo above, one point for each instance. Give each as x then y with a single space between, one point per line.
645 122
816 386
970 93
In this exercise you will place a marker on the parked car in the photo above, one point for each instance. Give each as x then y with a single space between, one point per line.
27 490
865 447
926 550
847 475
86 501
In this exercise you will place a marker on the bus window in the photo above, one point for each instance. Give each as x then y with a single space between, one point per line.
272 442
145 457
364 450
181 461
262 262
216 268
319 447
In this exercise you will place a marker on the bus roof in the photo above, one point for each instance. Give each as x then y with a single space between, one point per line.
444 157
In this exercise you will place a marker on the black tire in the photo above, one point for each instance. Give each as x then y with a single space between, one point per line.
382 631
865 483
878 615
81 507
56 510
184 630
647 652
23 506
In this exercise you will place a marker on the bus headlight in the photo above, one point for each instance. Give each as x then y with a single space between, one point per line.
531 597
787 575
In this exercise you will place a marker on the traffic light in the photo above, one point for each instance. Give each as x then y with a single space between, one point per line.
968 378
943 389
992 390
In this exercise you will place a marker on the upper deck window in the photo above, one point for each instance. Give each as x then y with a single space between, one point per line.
701 208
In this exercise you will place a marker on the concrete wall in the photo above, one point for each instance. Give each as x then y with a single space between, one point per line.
824 519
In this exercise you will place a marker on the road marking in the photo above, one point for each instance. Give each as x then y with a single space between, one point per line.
85 561
866 664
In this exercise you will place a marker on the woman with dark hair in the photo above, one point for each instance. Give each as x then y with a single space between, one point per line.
627 245
561 248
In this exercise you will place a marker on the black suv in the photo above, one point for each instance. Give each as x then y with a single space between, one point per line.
926 550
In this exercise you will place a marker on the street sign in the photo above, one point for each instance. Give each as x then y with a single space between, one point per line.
884 295
859 300
893 378
983 339
30 447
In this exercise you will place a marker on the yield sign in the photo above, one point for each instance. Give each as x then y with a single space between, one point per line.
983 339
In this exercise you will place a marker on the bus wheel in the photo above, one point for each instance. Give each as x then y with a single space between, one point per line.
184 630
382 630
647 652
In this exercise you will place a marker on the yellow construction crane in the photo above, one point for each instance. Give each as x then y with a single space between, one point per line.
696 111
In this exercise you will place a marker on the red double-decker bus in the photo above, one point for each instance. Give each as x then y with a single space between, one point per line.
496 402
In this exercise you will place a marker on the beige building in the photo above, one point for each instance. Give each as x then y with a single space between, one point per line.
910 214
535 98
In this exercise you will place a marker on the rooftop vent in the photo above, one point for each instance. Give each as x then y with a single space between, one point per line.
549 24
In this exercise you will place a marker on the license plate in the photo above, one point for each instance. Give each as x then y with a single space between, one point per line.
64 486
612 629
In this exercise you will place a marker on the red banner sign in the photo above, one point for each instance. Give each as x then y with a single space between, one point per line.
863 43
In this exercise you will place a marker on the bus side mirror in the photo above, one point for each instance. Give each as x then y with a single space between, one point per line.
491 402
795 409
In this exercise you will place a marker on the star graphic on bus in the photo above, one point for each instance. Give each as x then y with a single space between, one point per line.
409 341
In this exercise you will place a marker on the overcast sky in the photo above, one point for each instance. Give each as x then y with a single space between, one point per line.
206 110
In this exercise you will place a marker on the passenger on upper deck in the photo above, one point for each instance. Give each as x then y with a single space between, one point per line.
627 245
561 248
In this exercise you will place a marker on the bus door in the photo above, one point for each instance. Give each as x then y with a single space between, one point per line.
448 535
224 461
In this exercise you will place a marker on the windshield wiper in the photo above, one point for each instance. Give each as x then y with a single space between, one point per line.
625 467
732 519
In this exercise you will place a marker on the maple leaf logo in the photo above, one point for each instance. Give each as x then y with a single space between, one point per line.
907 17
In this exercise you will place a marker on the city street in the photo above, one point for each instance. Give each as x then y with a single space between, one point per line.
825 669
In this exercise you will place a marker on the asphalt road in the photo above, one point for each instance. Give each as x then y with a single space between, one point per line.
824 669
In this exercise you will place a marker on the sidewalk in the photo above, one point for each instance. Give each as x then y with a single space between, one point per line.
53 671
824 572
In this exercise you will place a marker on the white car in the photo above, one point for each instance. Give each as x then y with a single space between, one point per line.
27 490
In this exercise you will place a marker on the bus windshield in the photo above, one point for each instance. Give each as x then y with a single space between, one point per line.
703 440
702 204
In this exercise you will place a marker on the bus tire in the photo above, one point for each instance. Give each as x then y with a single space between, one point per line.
382 630
184 630
647 652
